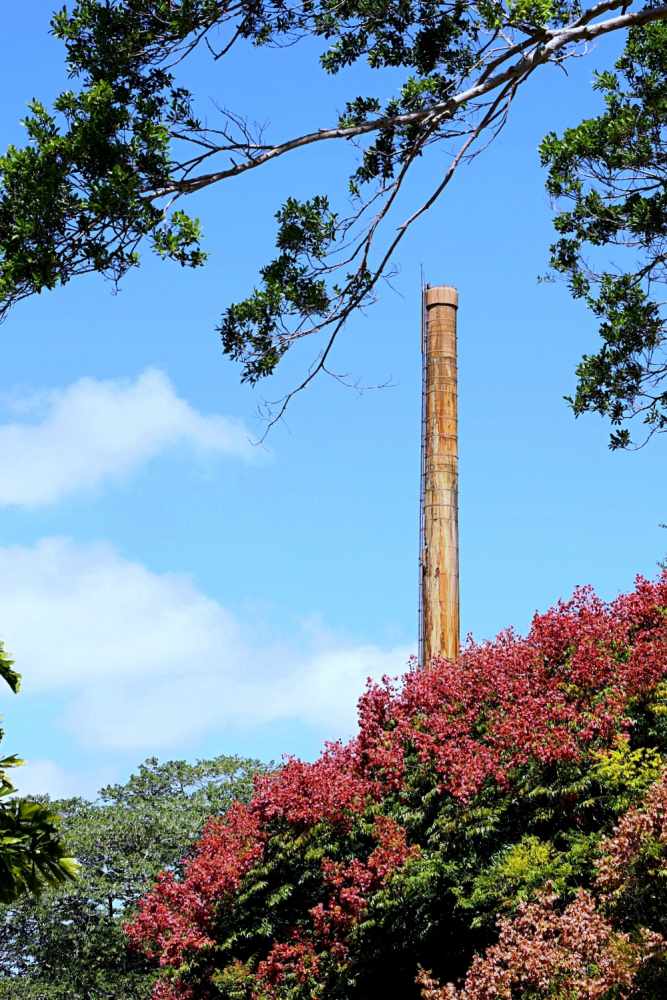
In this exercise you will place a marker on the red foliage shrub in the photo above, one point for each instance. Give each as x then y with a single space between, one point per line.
546 699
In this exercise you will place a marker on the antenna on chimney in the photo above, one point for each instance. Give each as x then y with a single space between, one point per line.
439 520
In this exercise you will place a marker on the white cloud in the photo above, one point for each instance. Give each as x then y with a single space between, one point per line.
95 430
41 777
44 777
47 777
146 660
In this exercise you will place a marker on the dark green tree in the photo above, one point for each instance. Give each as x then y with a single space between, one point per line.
32 855
613 170
68 944
109 166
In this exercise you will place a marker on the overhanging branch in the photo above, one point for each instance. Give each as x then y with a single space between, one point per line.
546 46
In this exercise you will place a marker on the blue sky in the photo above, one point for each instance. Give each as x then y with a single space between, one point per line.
168 588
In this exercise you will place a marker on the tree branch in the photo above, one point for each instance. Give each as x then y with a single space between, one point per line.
543 51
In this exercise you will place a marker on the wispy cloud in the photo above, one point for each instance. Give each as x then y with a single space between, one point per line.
99 430
147 661
47 777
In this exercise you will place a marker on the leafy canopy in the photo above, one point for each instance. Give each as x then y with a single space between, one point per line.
108 167
613 170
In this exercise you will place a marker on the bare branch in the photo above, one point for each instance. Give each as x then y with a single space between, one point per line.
493 112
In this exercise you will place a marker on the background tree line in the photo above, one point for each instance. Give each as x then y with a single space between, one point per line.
66 942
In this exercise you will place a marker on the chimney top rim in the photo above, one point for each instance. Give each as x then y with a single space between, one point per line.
441 295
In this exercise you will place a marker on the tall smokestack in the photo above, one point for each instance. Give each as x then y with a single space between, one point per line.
439 603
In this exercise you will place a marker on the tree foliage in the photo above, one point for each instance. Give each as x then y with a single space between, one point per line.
613 169
497 824
32 854
107 168
68 943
